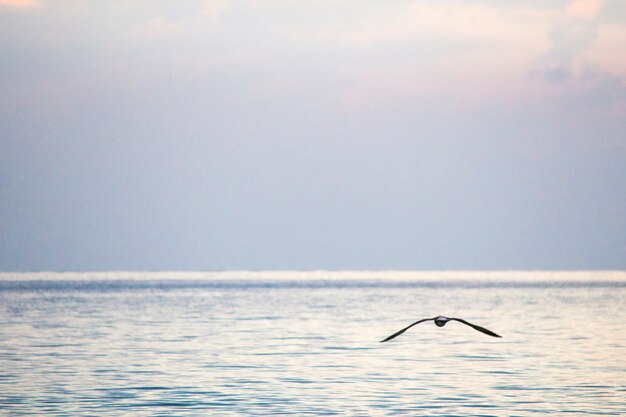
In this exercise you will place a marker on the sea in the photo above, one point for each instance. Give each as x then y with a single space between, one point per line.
246 343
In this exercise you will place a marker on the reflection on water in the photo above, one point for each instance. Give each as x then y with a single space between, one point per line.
242 344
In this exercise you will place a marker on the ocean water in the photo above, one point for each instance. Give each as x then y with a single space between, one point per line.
291 343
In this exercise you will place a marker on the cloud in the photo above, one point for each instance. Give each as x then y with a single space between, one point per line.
433 48
19 3
576 65
585 8
182 24
157 28
214 8
571 36
597 89
437 22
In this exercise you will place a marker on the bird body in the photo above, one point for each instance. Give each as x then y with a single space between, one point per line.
441 321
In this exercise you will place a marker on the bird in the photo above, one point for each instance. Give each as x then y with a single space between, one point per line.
441 321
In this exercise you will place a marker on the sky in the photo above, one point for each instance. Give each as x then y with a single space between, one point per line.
312 135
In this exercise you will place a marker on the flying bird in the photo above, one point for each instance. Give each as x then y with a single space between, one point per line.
441 321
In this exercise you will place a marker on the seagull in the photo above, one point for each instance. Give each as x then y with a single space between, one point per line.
441 321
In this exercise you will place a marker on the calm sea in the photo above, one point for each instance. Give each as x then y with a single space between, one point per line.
291 343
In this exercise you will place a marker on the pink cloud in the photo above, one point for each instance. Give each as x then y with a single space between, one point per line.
18 3
585 8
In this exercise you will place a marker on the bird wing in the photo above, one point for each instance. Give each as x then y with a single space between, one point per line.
480 329
399 332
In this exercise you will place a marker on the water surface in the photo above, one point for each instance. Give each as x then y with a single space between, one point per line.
241 343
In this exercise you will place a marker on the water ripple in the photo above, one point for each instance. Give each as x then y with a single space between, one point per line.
286 347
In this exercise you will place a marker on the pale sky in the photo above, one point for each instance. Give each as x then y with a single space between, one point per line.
221 135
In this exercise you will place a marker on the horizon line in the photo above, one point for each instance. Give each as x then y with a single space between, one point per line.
322 274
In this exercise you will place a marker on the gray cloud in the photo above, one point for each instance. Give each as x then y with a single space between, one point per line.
570 38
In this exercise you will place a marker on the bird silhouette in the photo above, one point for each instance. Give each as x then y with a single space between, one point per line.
441 321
